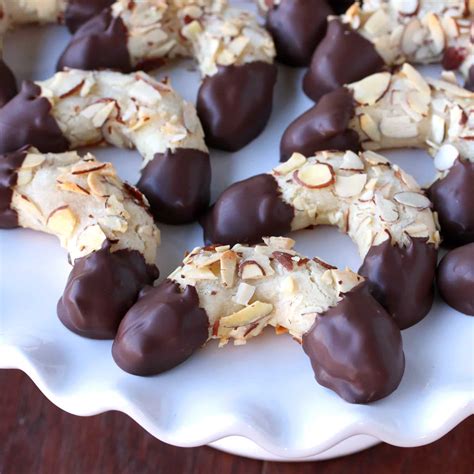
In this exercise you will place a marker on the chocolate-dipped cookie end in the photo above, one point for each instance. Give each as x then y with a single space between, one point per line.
161 331
355 348
8 88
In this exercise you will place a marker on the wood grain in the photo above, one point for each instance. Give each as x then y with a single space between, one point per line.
36 437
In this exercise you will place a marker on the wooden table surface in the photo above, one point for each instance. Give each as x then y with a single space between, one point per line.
37 437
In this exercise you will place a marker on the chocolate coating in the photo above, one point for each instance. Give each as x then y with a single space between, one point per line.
356 349
323 127
247 211
177 185
234 104
9 165
342 57
455 279
340 6
79 12
297 26
469 84
453 199
161 330
8 88
101 43
401 279
26 120
101 288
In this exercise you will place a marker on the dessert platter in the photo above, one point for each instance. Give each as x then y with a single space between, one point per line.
182 153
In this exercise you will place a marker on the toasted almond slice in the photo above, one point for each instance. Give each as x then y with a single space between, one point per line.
371 89
228 261
416 79
409 41
23 177
417 230
419 102
367 195
91 238
406 7
191 30
343 280
32 160
289 285
438 128
206 259
369 126
375 158
351 161
445 157
222 248
84 167
398 127
103 114
387 209
315 176
250 269
27 206
195 273
279 242
244 294
71 187
114 223
436 32
144 93
246 316
62 221
378 23
348 186
411 199
296 161
381 237
450 88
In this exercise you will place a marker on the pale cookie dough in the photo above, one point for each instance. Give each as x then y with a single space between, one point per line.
84 203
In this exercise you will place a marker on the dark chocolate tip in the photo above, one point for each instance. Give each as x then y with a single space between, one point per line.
234 104
453 200
8 88
101 288
9 164
340 6
401 279
161 330
79 12
177 185
455 279
101 43
469 84
356 349
247 211
297 26
342 57
323 127
26 120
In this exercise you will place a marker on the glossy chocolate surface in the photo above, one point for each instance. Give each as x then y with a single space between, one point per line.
453 199
177 185
161 330
101 288
323 127
342 57
455 279
79 12
101 43
469 85
297 26
9 164
8 88
356 349
247 211
234 104
340 6
401 279
26 120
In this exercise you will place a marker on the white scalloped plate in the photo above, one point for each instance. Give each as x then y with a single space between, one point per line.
263 392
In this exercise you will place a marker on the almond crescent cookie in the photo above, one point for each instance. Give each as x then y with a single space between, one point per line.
227 293
397 110
76 108
377 204
385 33
102 222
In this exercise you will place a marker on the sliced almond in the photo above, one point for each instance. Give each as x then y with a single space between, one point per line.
369 126
296 161
445 157
417 230
62 221
343 280
348 186
436 33
351 161
32 160
244 294
375 158
114 223
71 187
279 242
246 316
378 23
206 259
416 79
438 128
450 88
315 176
250 270
387 209
418 102
144 93
289 285
398 127
195 273
381 237
27 206
84 167
406 7
91 238
409 41
371 89
411 199
23 177
228 261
